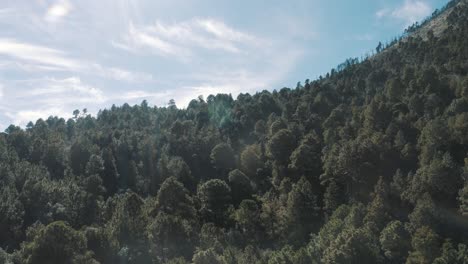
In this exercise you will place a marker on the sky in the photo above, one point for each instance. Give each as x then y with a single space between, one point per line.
60 55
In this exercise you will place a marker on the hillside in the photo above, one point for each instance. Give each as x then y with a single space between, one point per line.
368 164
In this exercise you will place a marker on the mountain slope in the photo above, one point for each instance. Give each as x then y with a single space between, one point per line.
366 165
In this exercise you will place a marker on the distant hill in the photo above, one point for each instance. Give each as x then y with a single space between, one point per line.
368 164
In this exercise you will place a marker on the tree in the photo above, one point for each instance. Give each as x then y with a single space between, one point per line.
98 242
174 199
247 217
459 127
95 166
208 256
76 113
222 157
329 231
354 165
4 257
126 166
452 255
377 212
91 198
251 160
215 198
127 228
463 200
281 145
303 212
172 235
241 187
306 159
426 246
394 241
378 49
260 128
277 126
171 104
11 222
353 246
425 214
395 89
332 197
285 255
18 140
110 174
441 178
54 156
178 168
79 157
56 243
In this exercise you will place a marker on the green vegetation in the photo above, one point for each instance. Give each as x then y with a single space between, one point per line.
366 165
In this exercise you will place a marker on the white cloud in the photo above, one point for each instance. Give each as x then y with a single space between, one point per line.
142 37
58 92
412 11
131 95
181 39
216 57
39 58
58 10
28 100
222 59
234 82
38 55
409 12
22 118
382 12
222 31
6 11
119 74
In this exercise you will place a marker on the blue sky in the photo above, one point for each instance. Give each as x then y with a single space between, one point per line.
61 55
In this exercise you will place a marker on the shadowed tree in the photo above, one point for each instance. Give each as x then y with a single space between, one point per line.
56 243
395 242
215 198
222 157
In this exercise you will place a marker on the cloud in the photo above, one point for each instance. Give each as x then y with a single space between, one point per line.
139 94
382 12
222 31
182 38
22 118
58 92
28 100
141 37
58 10
38 55
39 58
234 82
409 12
119 74
6 11
412 11
68 65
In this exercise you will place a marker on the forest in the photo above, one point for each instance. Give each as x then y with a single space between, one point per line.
368 164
